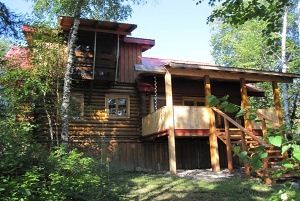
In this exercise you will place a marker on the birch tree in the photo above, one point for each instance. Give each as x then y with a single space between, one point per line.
95 9
284 62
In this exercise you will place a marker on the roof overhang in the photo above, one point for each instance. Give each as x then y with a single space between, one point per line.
145 43
65 23
195 70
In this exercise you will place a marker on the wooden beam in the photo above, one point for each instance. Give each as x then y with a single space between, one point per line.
277 102
105 31
225 75
170 123
213 139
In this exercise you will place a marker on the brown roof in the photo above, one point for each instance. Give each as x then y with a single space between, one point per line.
65 23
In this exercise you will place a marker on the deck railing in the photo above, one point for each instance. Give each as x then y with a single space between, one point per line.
185 117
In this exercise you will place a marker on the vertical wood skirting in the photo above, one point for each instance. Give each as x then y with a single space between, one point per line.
213 139
228 147
277 102
248 125
170 123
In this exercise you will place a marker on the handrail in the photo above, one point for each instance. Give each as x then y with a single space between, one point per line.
258 139
267 118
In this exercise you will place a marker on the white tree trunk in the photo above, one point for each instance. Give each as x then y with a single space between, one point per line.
298 8
284 68
68 79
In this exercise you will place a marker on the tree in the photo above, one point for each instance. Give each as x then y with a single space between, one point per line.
242 46
99 9
247 46
278 31
10 22
237 12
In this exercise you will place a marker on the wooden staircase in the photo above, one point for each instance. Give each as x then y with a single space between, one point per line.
248 141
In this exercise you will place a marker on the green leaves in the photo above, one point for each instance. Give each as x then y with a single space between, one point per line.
213 100
275 140
237 12
222 103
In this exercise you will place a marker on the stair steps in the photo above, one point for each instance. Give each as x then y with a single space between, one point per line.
274 155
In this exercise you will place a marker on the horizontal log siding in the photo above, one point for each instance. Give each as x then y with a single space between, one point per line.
96 124
130 54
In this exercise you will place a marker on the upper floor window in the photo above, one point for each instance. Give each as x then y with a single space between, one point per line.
76 105
193 101
117 105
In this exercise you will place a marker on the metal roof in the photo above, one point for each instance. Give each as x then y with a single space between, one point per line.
199 69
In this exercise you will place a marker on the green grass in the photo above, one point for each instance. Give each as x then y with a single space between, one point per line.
151 186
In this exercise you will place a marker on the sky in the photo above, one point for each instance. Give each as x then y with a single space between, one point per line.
178 27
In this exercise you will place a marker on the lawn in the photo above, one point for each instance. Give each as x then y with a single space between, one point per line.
155 186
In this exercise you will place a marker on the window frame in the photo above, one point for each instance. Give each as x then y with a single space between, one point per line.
194 99
117 96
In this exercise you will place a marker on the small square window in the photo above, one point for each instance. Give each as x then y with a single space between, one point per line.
117 105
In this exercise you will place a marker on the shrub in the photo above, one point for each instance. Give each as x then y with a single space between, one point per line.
64 175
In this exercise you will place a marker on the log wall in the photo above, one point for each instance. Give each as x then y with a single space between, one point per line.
95 123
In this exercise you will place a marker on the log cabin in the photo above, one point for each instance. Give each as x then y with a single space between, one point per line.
151 114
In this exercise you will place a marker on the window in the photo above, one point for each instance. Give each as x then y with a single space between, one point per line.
76 105
161 101
193 101
117 105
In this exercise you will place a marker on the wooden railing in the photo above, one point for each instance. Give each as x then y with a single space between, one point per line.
185 117
249 139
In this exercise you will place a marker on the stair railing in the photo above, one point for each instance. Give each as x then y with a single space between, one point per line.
250 133
244 131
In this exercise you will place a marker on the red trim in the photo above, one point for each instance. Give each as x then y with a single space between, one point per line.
191 132
26 28
157 134
180 133
146 87
142 41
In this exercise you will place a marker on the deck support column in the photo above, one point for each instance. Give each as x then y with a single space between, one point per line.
170 124
248 125
228 147
277 102
213 139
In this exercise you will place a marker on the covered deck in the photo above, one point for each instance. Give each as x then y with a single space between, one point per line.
178 121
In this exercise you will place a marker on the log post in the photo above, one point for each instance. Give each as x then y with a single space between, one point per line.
248 125
213 139
228 147
170 123
277 102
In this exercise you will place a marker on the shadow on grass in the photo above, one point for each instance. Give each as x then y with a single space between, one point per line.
150 186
